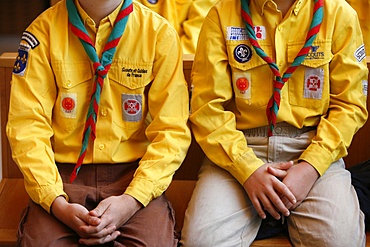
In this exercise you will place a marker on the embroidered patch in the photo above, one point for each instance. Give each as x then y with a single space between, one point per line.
132 107
68 105
260 32
242 85
30 39
315 54
20 63
313 83
242 53
153 1
360 53
365 87
236 33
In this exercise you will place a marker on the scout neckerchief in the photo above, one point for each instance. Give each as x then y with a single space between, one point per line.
101 67
274 102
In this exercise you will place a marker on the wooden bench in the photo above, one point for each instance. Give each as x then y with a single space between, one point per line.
13 197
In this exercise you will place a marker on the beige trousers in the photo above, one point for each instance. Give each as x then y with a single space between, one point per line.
220 213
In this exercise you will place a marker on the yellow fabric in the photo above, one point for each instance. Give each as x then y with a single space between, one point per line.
220 109
185 15
362 8
42 129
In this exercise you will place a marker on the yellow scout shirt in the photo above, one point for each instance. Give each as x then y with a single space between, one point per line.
51 88
328 90
185 15
362 8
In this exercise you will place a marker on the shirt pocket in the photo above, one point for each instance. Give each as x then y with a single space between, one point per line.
309 85
75 82
257 73
130 82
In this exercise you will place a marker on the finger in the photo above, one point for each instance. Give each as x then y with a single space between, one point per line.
283 165
284 191
99 241
258 207
97 232
269 207
276 172
287 203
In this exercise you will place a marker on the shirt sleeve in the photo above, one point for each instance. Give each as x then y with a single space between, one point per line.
29 127
347 112
192 25
214 127
168 133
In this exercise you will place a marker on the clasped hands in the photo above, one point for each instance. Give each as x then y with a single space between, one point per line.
280 187
99 225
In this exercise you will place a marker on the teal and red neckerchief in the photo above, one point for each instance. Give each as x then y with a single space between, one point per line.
101 67
279 81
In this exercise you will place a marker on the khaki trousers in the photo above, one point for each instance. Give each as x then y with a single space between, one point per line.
220 213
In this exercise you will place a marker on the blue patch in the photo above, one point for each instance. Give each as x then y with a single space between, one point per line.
153 1
21 60
242 53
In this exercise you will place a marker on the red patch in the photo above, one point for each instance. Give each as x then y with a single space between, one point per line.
68 104
242 84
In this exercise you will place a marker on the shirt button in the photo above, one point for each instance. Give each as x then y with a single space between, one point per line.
101 146
100 42
280 28
103 113
69 84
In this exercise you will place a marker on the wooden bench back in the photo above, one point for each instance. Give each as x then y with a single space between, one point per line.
358 152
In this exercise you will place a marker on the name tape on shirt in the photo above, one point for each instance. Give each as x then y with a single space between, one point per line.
240 33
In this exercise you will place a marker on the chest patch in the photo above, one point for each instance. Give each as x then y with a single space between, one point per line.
242 53
313 83
68 105
242 85
131 107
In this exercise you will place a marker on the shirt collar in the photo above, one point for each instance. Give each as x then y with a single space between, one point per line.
88 21
261 4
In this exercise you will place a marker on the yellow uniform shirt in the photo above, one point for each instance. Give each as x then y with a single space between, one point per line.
362 8
185 15
232 84
50 93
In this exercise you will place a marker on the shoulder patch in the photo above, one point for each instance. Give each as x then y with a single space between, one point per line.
30 39
20 63
360 53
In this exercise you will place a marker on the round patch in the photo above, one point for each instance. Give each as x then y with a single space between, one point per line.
242 84
131 106
68 104
242 53
153 1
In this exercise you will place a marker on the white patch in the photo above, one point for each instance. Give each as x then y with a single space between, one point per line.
260 32
242 85
365 87
30 39
236 33
313 83
68 105
360 53
132 107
